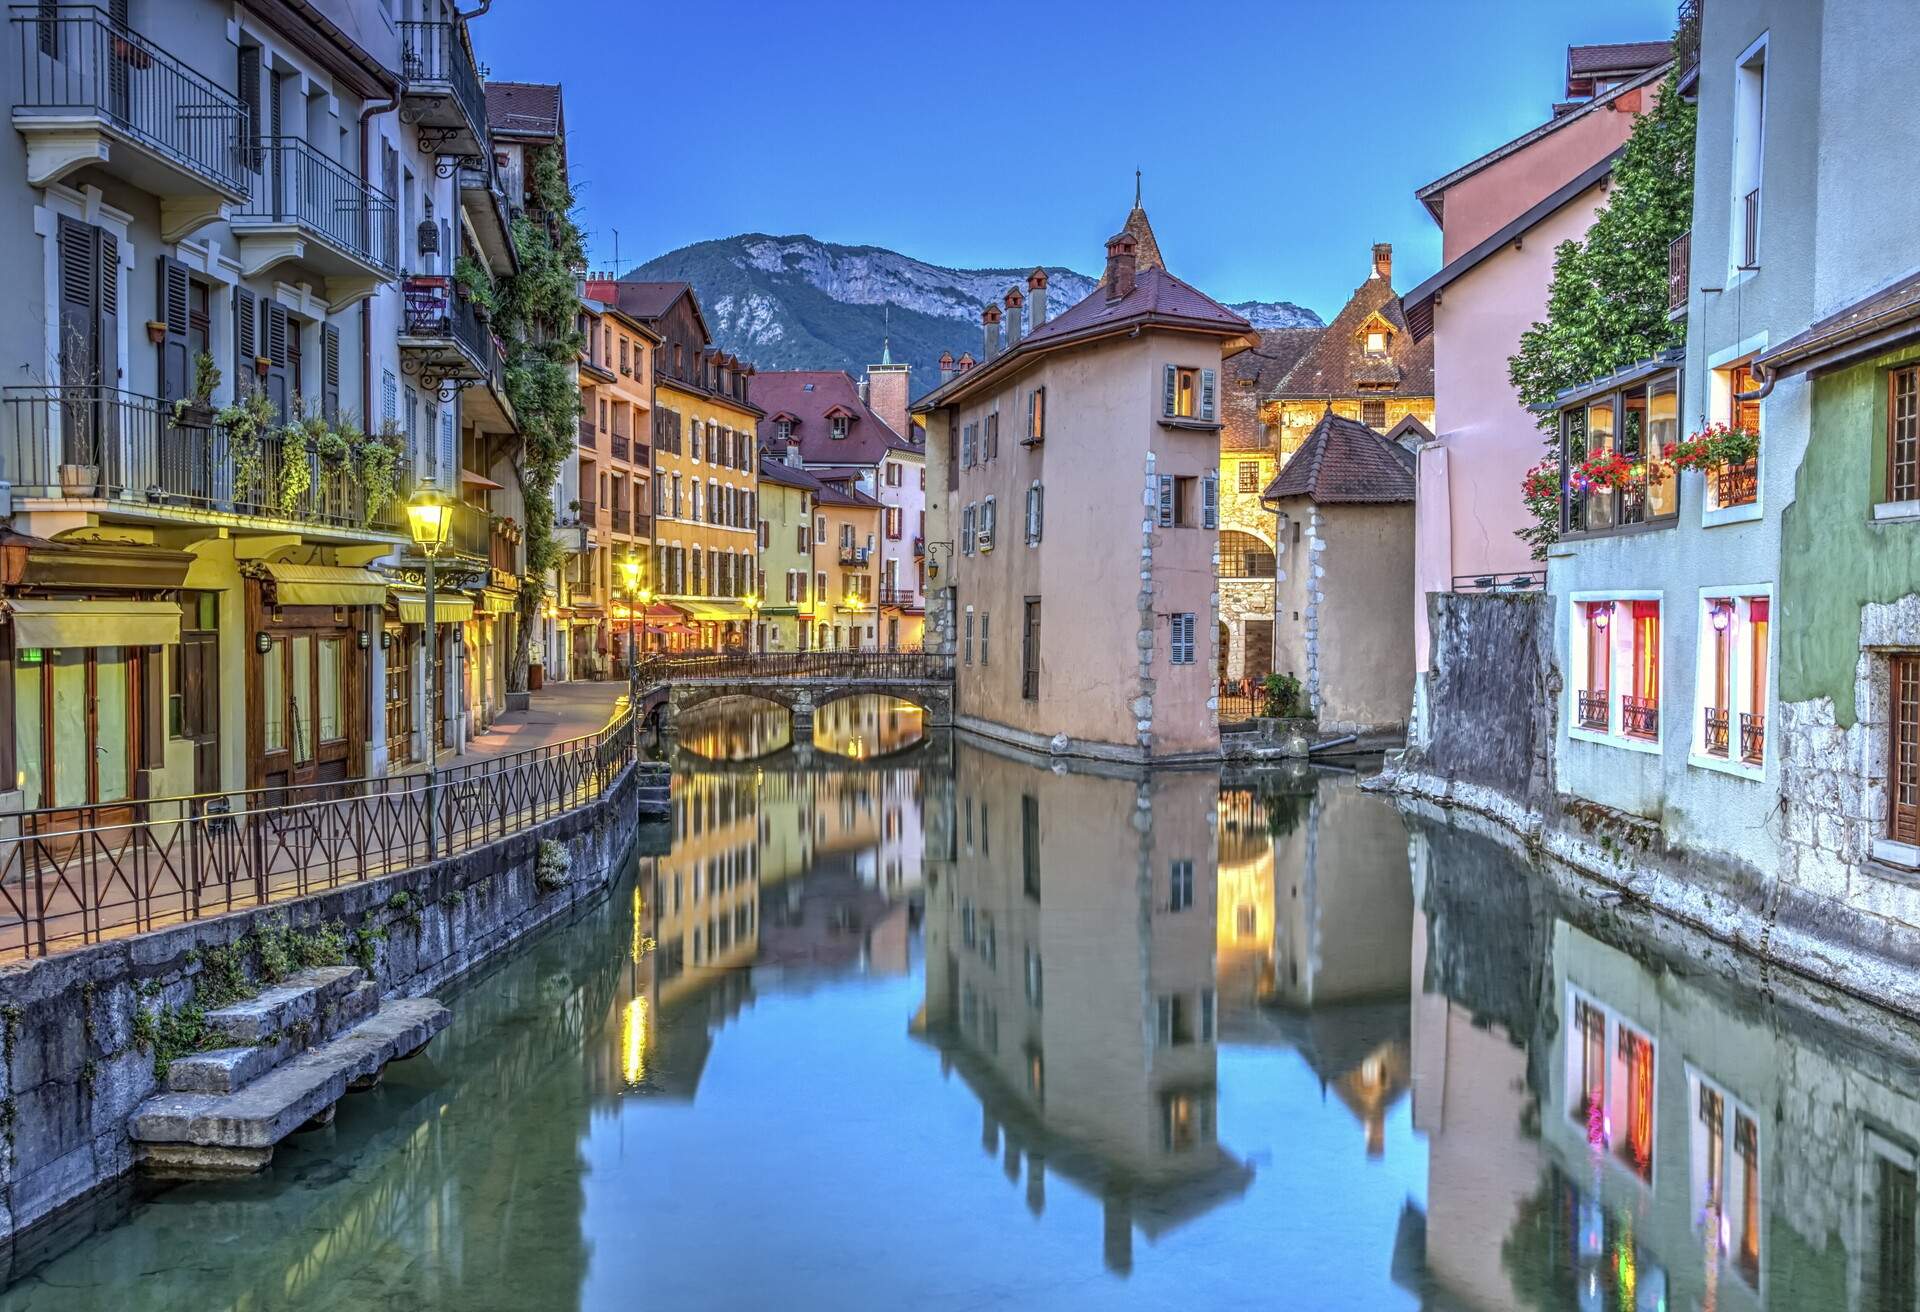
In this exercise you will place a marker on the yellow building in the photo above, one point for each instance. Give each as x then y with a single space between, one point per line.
705 558
1363 366
707 890
786 555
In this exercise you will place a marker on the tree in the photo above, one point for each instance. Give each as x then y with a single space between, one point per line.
1607 303
537 322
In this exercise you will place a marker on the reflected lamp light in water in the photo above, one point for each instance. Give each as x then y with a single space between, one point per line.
633 1042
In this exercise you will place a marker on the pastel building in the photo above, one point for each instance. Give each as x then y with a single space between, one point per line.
1501 216
1119 394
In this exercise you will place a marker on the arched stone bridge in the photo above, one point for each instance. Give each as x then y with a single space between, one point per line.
933 752
803 682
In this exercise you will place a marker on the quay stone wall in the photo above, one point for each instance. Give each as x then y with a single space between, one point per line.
71 1071
1491 690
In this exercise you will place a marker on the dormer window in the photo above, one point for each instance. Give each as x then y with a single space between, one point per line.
839 426
1376 341
783 429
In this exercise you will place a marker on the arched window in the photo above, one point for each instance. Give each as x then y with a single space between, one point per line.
1243 556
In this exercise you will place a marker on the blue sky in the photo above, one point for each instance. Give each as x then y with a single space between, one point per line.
1278 140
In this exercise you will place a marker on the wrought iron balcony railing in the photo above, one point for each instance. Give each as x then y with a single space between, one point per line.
1593 709
1753 737
433 56
447 325
1737 485
1716 731
1679 267
622 520
854 556
1639 716
102 444
899 598
620 446
298 185
77 62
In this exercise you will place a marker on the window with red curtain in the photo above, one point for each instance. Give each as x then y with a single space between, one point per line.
1759 612
1636 1054
1646 650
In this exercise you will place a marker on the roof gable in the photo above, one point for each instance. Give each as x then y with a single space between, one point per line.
810 400
1338 363
1345 461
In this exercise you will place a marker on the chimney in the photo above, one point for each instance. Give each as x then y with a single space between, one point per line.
793 452
990 330
864 391
1120 265
1383 261
966 362
1037 298
1013 303
946 366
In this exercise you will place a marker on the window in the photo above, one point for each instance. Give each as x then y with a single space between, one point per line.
1188 394
1176 500
1181 633
1180 886
1609 1073
893 518
1733 678
1248 477
1210 501
782 430
966 645
1174 1020
1243 556
1376 340
967 520
1035 512
988 516
990 441
968 436
1903 767
1373 413
986 630
1036 416
1903 434
839 430
1640 707
1749 138
1891 1205
1030 652
893 473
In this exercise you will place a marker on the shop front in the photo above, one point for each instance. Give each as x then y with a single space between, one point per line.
311 628
406 649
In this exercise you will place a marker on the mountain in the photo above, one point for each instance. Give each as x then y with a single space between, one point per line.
800 303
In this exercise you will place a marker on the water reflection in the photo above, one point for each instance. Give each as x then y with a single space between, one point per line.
734 729
866 726
1109 1040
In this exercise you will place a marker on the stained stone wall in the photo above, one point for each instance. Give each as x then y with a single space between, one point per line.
71 1071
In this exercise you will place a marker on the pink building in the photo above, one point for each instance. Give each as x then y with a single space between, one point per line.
1501 216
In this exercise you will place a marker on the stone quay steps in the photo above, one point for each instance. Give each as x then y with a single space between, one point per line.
654 791
225 1111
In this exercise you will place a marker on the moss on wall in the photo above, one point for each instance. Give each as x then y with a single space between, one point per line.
1834 558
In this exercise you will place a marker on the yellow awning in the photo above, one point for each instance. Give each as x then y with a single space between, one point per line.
448 607
712 608
327 585
74 622
495 602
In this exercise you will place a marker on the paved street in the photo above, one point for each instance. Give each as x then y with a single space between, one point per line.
560 712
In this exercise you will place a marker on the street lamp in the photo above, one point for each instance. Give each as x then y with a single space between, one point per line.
630 571
430 518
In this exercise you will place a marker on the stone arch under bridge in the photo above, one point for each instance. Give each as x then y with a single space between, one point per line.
802 697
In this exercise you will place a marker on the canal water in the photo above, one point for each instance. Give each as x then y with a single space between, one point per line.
933 1026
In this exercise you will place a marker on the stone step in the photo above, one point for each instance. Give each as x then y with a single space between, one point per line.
226 1069
302 995
223 1133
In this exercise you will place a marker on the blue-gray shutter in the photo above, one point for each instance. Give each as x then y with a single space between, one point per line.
1206 394
1168 401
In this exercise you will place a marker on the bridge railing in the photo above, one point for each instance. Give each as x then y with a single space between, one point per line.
668 667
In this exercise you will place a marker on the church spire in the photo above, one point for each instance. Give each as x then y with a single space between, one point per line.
886 334
1136 188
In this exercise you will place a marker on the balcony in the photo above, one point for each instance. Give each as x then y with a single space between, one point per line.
919 546
123 456
1679 273
485 203
622 520
1753 737
471 534
1716 731
620 447
590 513
855 557
1593 710
95 93
642 524
503 553
1736 485
440 91
307 210
900 598
587 436
443 340
1639 716
1750 230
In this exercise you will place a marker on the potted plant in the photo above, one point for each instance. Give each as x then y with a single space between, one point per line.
195 409
78 480
1717 446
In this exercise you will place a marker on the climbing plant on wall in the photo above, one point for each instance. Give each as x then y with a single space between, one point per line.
535 319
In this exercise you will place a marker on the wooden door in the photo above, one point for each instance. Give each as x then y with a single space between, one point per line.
1903 769
1259 658
80 705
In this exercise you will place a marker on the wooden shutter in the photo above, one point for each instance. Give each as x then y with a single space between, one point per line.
250 101
274 327
246 343
1903 771
330 372
1030 652
79 283
1210 501
1206 394
1166 501
176 365
1169 400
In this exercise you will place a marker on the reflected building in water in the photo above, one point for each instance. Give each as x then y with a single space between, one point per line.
1610 1126
1070 930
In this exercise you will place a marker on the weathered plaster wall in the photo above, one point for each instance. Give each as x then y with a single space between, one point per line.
73 1073
1366 617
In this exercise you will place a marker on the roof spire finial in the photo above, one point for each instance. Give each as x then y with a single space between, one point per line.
1136 188
886 334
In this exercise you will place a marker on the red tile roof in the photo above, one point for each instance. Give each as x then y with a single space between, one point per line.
649 300
524 108
1345 461
1251 378
1156 294
808 395
1339 366
1620 57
